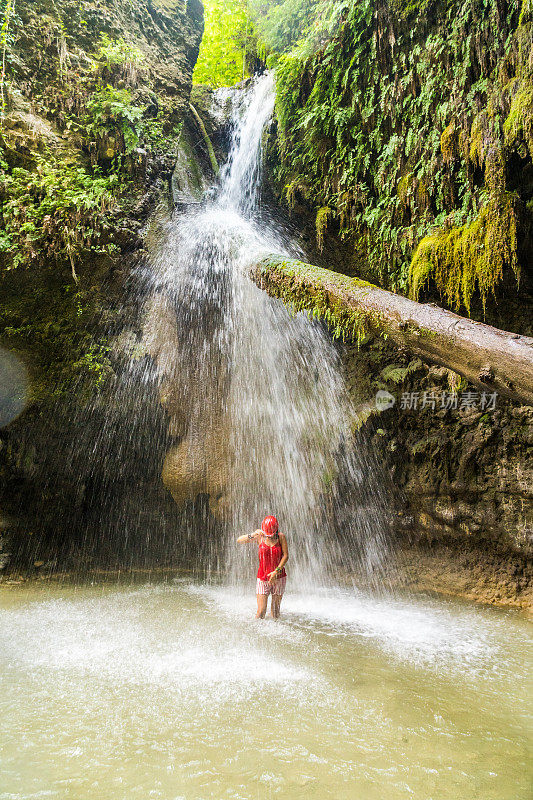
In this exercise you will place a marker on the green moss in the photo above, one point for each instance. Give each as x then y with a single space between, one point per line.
301 287
526 12
449 142
423 197
518 125
323 217
380 128
469 257
477 139
404 190
293 190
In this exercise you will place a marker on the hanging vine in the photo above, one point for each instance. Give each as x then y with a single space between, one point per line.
9 9
399 123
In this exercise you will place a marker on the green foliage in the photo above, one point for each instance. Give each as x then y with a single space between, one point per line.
53 212
158 135
470 257
109 110
280 24
299 286
53 217
67 109
228 36
119 52
323 218
94 363
5 34
519 123
398 134
526 14
396 373
407 9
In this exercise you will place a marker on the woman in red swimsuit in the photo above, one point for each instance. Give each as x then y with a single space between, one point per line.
271 575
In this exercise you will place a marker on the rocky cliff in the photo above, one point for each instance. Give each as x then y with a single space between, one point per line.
405 128
402 144
401 147
94 103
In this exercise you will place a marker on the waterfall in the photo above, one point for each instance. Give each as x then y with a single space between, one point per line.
257 406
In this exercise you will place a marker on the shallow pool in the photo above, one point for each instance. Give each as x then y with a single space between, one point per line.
174 691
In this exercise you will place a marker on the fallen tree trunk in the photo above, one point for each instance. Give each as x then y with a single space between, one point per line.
492 359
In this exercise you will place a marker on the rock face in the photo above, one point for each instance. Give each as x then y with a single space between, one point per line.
471 474
460 474
398 120
198 460
404 127
96 96
53 35
62 55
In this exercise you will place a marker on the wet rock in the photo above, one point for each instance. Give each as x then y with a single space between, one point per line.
463 478
189 183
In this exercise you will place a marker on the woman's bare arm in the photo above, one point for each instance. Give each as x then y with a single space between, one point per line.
249 537
283 560
284 550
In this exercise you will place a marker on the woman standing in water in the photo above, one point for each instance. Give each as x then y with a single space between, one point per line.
271 575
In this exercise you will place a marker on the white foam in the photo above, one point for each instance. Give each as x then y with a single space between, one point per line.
108 637
423 632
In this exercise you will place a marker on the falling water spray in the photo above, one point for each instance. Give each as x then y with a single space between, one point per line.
258 411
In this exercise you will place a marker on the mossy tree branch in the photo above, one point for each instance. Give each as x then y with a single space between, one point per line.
207 140
492 359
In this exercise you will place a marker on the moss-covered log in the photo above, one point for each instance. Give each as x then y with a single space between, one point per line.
492 359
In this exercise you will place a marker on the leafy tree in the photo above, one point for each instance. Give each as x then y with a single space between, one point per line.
281 23
240 32
227 37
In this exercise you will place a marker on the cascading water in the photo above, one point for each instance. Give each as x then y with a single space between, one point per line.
174 691
255 397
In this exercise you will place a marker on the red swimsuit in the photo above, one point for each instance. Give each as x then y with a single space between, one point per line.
269 558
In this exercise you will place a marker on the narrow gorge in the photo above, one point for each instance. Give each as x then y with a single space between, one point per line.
399 142
266 261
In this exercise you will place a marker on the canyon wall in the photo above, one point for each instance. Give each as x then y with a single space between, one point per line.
402 146
95 108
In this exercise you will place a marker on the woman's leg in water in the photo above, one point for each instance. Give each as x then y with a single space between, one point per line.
275 603
262 600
